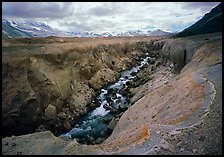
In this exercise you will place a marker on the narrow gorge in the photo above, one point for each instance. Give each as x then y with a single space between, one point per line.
49 87
172 100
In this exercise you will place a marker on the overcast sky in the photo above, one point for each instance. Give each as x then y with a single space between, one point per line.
110 16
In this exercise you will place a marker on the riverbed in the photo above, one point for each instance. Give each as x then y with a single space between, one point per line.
98 124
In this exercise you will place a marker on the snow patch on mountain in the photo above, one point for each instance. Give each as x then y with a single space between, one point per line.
32 28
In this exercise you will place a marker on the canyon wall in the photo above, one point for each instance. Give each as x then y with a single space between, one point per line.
180 116
48 83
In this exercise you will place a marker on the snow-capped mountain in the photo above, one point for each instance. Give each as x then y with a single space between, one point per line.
107 34
12 28
30 27
84 34
9 31
158 32
132 33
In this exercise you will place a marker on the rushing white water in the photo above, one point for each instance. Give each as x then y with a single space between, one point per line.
91 120
100 111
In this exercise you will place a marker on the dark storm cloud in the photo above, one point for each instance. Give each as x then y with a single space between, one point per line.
36 9
204 6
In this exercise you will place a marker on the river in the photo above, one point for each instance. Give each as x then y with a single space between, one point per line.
93 127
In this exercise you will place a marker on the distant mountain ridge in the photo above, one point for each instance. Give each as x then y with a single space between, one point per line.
18 28
31 28
210 23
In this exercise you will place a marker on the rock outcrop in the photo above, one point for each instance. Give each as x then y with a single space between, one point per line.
181 116
181 50
48 84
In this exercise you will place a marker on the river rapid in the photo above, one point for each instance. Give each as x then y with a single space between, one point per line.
98 124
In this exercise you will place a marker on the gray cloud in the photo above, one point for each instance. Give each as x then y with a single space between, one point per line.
77 26
110 16
100 11
36 9
107 9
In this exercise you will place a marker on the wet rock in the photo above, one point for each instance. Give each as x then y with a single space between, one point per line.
92 106
119 115
123 92
115 90
113 123
107 106
119 97
114 96
130 83
110 90
113 110
144 66
118 100
134 73
106 119
122 107
108 99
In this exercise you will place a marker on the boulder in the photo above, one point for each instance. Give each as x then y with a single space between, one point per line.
50 111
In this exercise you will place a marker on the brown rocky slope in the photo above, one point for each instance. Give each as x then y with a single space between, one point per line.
49 82
182 115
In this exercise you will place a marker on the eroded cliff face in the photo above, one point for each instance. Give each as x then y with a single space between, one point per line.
49 82
180 51
178 115
181 116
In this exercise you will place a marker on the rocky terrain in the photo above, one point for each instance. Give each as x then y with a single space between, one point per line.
176 102
48 83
